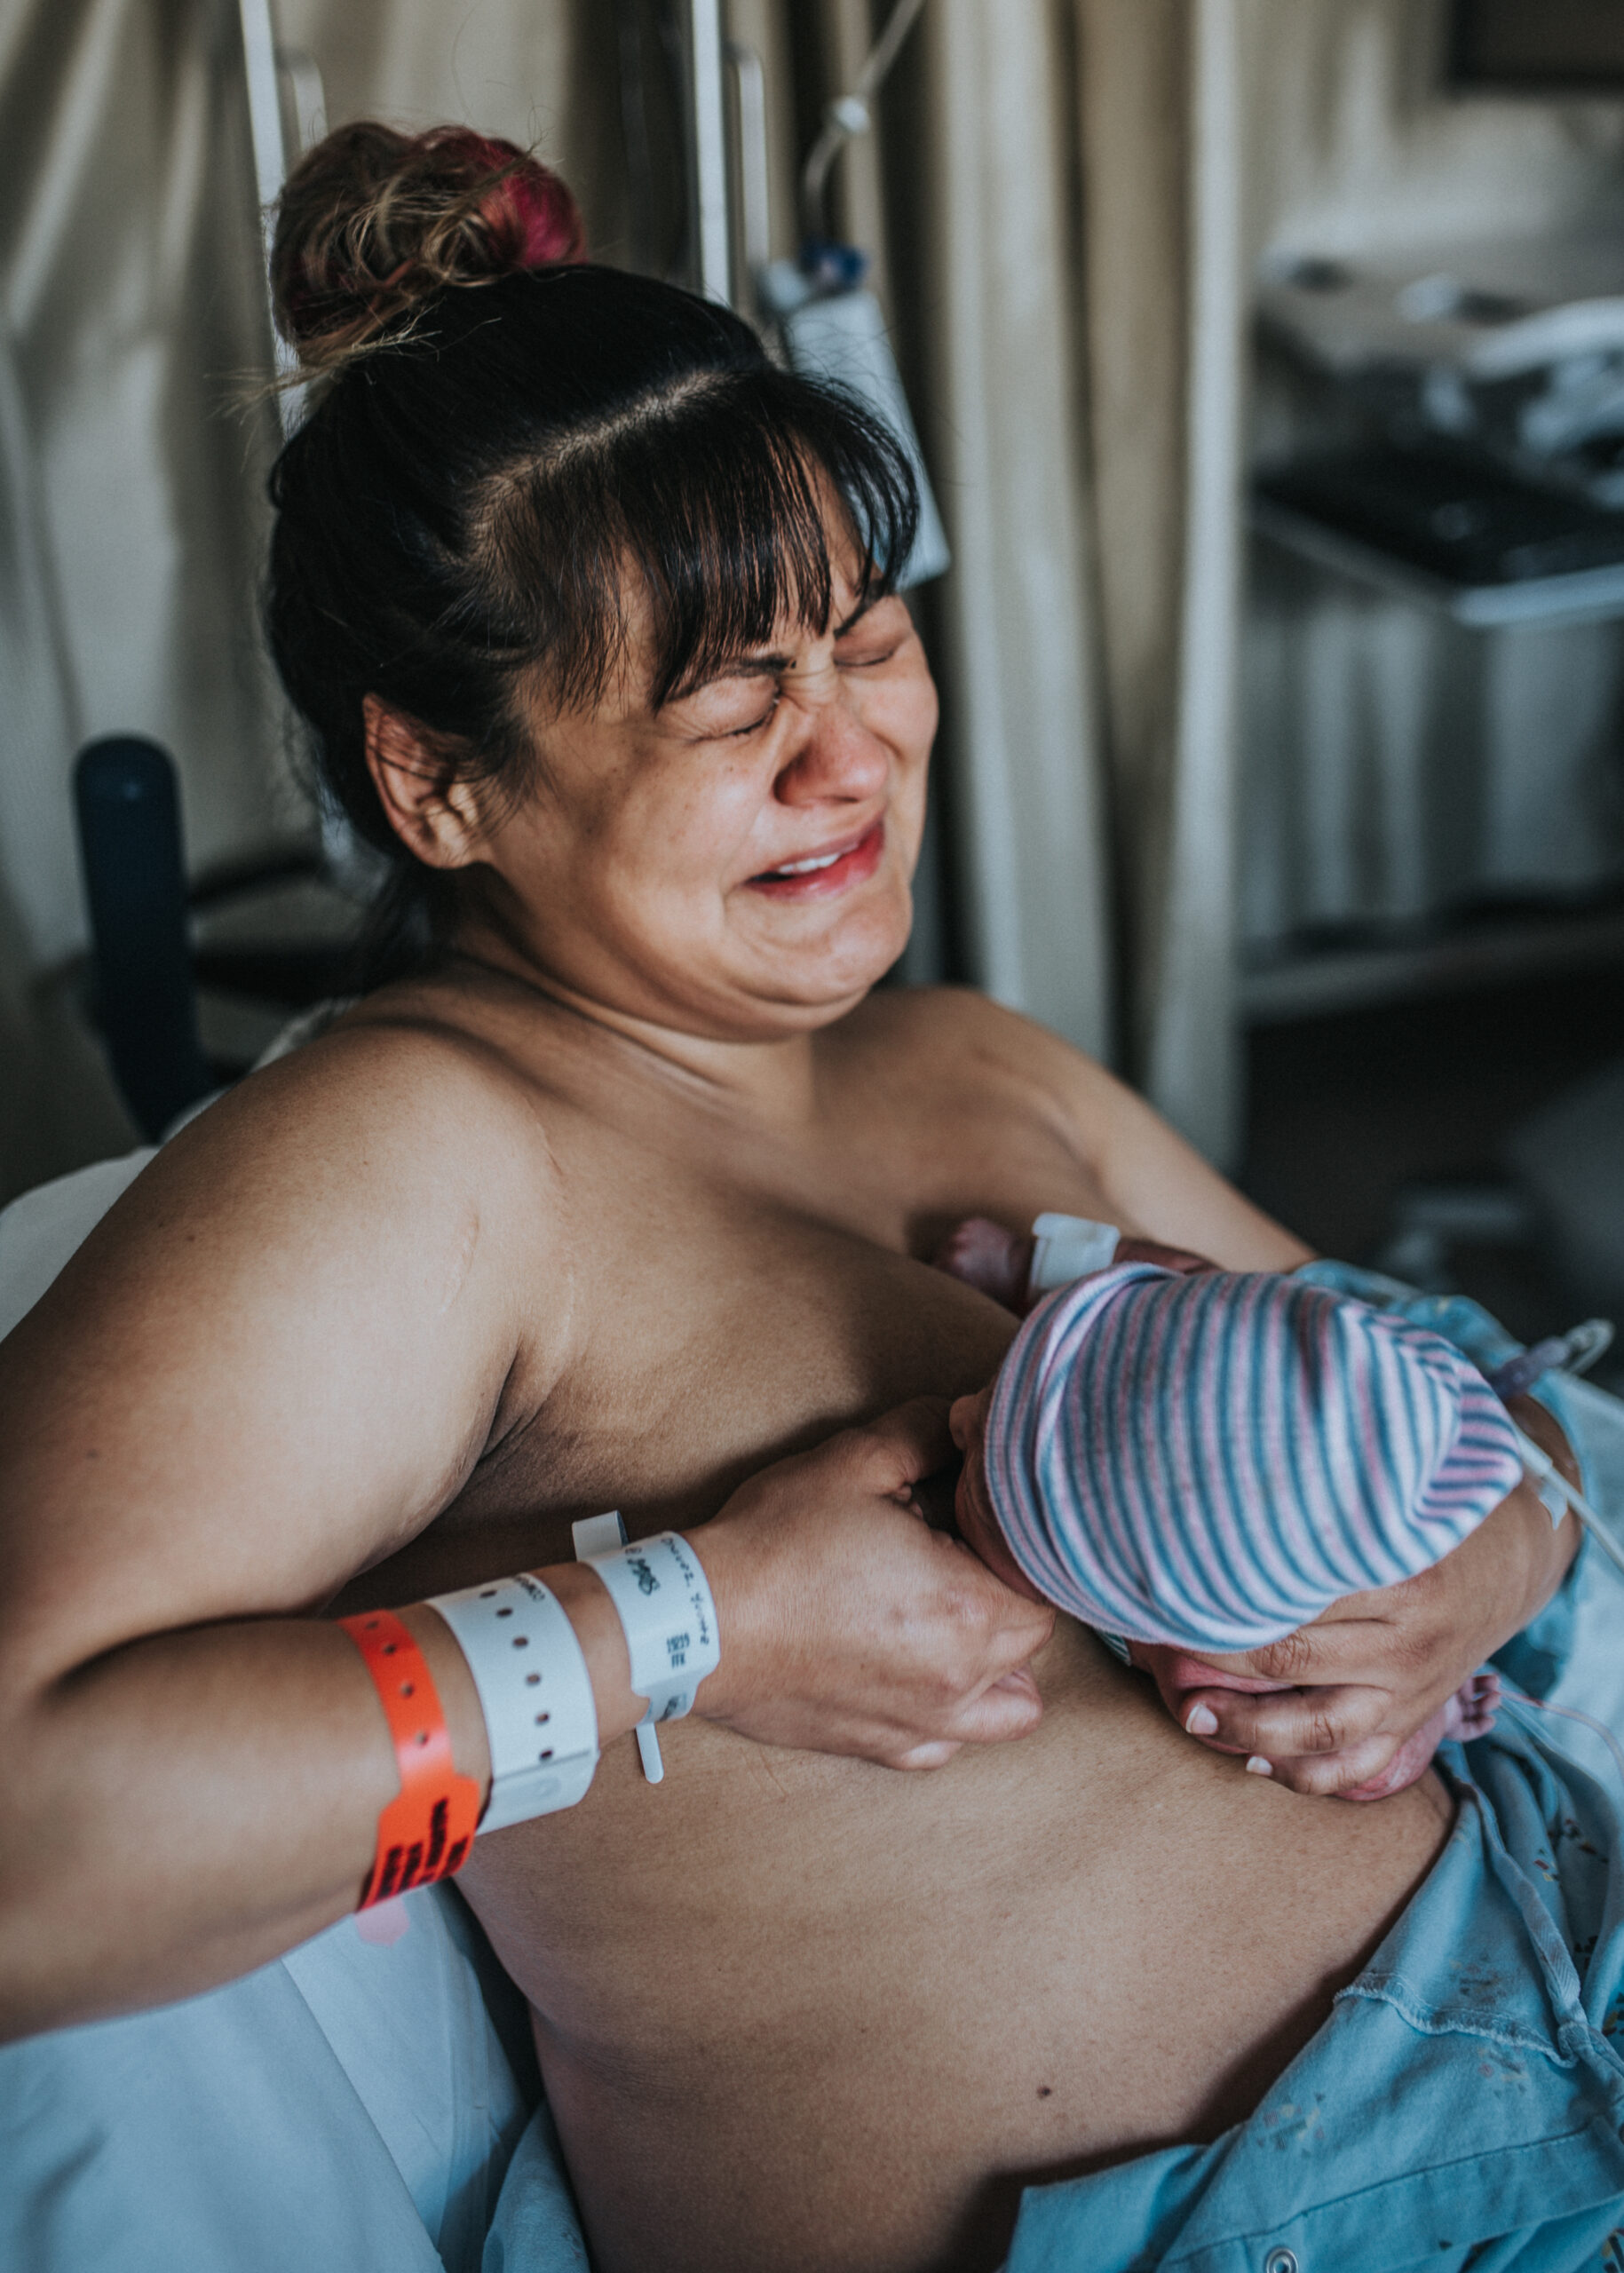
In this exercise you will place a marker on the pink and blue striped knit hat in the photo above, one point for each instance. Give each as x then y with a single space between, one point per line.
1211 1462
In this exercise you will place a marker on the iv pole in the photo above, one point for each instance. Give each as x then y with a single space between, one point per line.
264 119
708 197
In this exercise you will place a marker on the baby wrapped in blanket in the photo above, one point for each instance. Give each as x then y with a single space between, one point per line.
1207 1460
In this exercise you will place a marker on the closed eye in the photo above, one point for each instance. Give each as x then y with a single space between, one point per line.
868 663
741 733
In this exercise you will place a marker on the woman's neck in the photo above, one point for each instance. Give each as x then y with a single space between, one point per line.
771 1079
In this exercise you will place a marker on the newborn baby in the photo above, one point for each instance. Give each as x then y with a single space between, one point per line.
1192 1459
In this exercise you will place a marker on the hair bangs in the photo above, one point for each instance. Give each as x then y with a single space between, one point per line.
715 497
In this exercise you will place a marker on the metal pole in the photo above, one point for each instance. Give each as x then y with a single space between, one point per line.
264 119
709 148
754 212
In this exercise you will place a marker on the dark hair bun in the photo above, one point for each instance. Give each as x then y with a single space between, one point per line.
372 224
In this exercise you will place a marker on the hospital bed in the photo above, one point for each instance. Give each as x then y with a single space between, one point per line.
355 2106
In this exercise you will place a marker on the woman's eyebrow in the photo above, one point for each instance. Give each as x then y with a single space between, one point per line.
769 666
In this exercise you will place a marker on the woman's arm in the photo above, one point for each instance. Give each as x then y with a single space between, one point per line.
1148 1180
1376 1666
277 1359
1159 1186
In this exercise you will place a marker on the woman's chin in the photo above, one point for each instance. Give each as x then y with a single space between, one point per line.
826 970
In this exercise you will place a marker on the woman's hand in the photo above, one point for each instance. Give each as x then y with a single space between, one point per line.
1375 1666
847 1625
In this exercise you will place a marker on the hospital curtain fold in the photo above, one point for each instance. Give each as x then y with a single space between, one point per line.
132 516
1001 416
1161 140
130 488
1058 227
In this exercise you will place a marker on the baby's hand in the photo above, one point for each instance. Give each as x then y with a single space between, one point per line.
984 1254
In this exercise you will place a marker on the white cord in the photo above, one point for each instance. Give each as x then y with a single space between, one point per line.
848 115
1571 1713
1541 1466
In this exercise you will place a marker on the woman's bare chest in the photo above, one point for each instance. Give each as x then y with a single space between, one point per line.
722 1328
732 1301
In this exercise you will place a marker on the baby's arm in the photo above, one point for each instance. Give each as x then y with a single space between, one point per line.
999 1262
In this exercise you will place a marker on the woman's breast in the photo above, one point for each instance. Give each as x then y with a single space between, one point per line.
718 1332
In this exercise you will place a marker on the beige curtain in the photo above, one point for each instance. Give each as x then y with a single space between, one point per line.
1161 136
1050 194
127 591
1054 197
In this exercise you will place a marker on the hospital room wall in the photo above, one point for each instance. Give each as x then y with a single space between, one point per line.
1093 502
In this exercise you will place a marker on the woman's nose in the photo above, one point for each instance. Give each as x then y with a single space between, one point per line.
837 758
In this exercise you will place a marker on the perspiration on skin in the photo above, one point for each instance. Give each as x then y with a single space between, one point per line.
1187 1460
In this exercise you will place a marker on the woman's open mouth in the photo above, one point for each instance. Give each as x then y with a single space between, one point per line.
820 873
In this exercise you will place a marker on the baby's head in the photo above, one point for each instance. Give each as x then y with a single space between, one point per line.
1210 1462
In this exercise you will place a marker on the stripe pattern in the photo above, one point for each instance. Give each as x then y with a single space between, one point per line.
1210 1462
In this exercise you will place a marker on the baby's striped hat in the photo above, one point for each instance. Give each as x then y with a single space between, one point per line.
1210 1462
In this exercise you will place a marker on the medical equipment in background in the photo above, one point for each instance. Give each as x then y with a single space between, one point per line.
1489 381
189 981
1575 49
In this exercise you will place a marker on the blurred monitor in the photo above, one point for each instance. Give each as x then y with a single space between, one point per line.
1577 44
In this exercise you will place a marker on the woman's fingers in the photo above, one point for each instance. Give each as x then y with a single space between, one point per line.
1010 1707
1324 1774
1290 1723
1344 1645
916 1756
847 1625
902 1446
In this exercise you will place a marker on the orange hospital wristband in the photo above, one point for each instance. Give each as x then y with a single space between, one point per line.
426 1830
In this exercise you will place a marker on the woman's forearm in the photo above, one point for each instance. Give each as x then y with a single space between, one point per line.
187 1806
195 1803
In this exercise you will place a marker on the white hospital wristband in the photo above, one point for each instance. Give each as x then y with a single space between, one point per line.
535 1692
1066 1248
662 1598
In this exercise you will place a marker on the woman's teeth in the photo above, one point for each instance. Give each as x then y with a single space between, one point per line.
805 868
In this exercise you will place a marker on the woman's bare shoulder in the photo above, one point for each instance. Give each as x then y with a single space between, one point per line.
929 1041
390 1141
391 1072
937 1029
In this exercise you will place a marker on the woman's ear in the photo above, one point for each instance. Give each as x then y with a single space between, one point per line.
434 815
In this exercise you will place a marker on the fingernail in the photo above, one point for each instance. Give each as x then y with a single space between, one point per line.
1203 1722
1258 1766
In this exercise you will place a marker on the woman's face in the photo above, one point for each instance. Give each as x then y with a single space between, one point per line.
737 863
